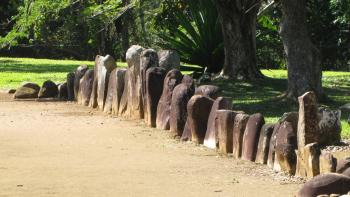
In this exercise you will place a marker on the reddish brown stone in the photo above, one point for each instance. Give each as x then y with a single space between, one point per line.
172 79
115 91
225 122
264 143
154 80
238 133
198 108
210 91
85 88
251 137
211 135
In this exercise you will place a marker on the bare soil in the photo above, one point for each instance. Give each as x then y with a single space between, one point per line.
63 149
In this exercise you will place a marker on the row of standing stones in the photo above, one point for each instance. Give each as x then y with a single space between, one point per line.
152 88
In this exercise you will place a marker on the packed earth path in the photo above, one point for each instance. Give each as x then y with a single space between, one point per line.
64 149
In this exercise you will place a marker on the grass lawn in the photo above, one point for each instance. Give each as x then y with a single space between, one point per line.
252 97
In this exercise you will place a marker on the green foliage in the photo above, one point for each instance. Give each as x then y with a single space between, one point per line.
194 31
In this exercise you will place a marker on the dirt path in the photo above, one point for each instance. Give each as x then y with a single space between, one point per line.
62 149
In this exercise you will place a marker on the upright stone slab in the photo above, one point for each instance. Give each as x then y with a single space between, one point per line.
172 79
210 91
62 91
85 87
198 108
70 86
308 131
103 68
115 91
329 126
187 133
264 143
225 121
286 144
134 108
79 73
238 133
123 105
251 137
169 59
326 184
211 135
308 165
178 114
154 80
328 163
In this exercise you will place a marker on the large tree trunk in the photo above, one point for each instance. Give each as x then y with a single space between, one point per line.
303 58
238 21
125 31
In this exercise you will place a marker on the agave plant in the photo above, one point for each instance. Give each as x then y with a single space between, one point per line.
196 35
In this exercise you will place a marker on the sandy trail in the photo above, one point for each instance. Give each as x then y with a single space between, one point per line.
62 149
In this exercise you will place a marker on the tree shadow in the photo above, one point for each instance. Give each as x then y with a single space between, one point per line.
20 67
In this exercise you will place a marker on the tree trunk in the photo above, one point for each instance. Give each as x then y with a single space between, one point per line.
125 31
238 21
303 58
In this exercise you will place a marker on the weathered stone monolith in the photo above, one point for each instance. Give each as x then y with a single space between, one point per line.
264 143
251 137
308 131
103 67
211 135
169 59
178 114
342 165
123 105
79 73
325 184
85 87
70 85
115 91
328 163
198 109
27 90
48 90
238 133
225 122
154 80
210 91
62 91
308 165
329 126
172 79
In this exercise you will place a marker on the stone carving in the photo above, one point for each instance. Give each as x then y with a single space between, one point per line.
329 126
169 59
210 91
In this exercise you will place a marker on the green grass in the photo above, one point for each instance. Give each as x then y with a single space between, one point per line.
252 97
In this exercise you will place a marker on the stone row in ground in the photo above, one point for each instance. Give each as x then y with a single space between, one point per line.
152 88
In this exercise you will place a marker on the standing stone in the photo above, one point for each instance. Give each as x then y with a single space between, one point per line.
211 135
48 90
154 80
325 184
172 79
85 87
328 163
187 133
70 86
238 133
27 90
123 105
115 91
225 121
103 68
342 165
210 91
308 164
308 131
198 108
62 91
329 126
264 143
134 108
178 114
286 144
79 73
169 59
251 137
